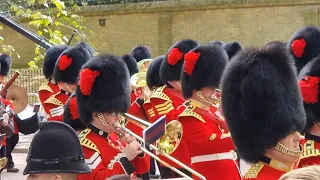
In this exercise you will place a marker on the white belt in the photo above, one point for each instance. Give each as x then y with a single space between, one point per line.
214 157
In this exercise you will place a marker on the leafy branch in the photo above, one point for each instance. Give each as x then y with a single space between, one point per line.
50 19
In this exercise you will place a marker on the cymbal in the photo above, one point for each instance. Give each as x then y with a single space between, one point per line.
18 96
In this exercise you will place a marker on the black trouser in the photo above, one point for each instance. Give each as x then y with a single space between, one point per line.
11 144
168 173
152 166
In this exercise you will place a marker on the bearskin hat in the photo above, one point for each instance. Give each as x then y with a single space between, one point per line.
304 45
141 52
261 100
69 63
5 64
170 69
103 85
232 48
203 67
131 63
71 115
153 77
215 43
50 59
309 85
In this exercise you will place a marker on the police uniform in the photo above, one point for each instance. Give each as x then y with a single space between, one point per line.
309 85
55 149
50 87
208 144
103 86
66 70
304 45
262 104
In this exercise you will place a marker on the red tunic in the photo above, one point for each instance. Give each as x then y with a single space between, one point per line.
46 90
168 102
103 157
137 111
267 171
9 108
54 106
208 144
311 151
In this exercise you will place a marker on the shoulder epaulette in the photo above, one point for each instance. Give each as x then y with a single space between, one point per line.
53 100
45 87
158 93
189 112
309 150
254 170
84 141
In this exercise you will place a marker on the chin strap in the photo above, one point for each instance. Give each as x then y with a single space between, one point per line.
282 148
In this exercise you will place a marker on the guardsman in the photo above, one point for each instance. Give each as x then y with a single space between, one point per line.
71 115
132 66
304 45
153 82
65 73
141 52
102 94
263 108
168 99
232 48
9 142
55 153
309 84
204 134
50 87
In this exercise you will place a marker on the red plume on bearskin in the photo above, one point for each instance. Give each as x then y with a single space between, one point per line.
309 89
298 47
174 56
64 62
190 59
73 109
86 80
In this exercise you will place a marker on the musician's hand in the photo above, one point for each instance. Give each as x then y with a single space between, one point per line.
6 118
127 138
132 150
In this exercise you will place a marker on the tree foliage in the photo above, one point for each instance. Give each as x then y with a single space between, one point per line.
50 19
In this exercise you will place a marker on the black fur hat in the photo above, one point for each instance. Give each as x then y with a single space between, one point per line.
304 45
203 67
309 82
103 86
170 69
232 48
69 63
71 115
55 148
261 100
141 52
215 43
50 59
5 64
153 77
131 63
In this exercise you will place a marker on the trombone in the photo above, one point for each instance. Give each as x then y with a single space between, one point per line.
164 145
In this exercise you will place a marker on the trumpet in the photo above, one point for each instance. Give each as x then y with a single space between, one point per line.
167 143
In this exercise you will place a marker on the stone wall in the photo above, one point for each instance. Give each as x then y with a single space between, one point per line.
160 24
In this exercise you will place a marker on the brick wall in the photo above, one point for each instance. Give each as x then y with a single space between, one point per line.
160 24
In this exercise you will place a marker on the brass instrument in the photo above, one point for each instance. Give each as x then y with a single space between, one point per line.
138 80
166 144
18 96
